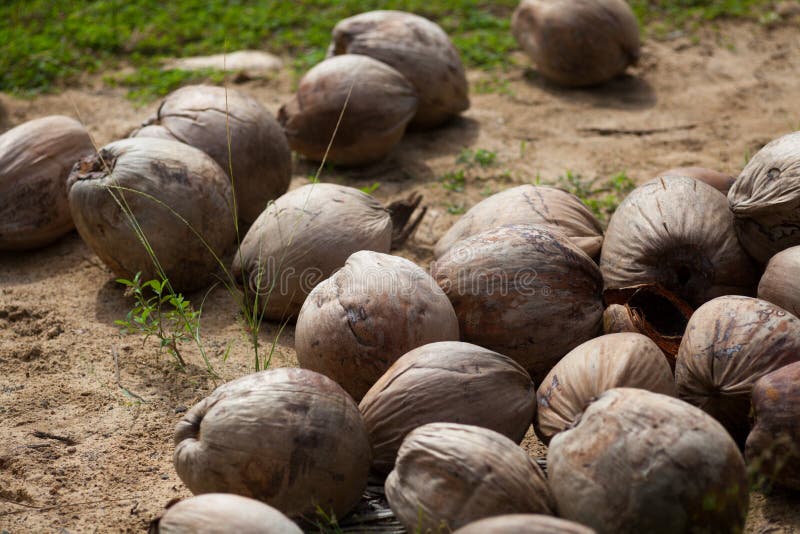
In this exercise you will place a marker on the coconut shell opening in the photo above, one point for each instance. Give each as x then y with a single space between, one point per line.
94 166
403 224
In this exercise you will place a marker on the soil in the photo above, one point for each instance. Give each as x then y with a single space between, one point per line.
87 414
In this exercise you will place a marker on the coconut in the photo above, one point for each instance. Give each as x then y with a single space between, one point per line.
449 382
729 344
651 310
308 233
289 437
177 197
773 446
766 197
676 232
365 102
607 362
419 49
546 206
720 181
448 475
780 283
642 462
235 130
357 323
220 513
524 524
515 287
35 160
577 42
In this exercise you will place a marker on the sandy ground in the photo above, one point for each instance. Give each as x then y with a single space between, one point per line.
112 401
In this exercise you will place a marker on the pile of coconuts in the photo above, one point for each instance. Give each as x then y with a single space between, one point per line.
658 358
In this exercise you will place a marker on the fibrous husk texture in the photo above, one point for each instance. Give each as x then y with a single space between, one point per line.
419 50
677 232
780 283
450 382
235 130
35 160
651 310
448 475
729 344
514 289
524 524
577 42
370 101
718 180
221 513
289 437
177 196
548 207
773 446
357 323
606 362
642 462
302 238
766 197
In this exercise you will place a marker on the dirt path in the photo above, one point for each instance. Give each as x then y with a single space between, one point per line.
109 403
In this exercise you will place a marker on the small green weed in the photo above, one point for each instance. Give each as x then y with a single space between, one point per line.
456 209
369 189
602 199
482 157
454 181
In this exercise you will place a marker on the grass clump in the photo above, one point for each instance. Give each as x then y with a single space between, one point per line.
601 198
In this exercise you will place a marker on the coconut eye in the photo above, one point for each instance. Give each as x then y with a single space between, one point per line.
773 174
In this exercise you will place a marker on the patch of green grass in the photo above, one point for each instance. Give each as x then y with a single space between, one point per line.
456 209
602 199
454 181
671 14
149 83
481 156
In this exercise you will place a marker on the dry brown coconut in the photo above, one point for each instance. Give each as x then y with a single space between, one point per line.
577 42
766 197
419 49
448 475
447 382
676 232
549 207
289 437
729 344
35 160
642 462
606 362
207 117
373 101
308 233
718 180
773 446
159 182
524 524
221 513
651 310
514 289
780 283
357 323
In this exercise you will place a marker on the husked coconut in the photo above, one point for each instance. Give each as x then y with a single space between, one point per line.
308 233
606 362
369 101
237 132
651 310
524 524
549 207
448 475
639 461
419 49
766 197
357 323
450 382
220 513
773 446
780 283
35 160
677 232
718 180
289 437
177 197
577 42
524 291
729 344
